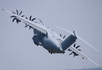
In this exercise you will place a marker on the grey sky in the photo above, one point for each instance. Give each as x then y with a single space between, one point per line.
17 50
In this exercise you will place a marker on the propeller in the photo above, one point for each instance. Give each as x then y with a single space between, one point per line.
27 26
30 18
15 18
74 53
74 34
76 46
30 27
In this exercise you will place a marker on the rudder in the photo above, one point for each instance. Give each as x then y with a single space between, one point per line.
68 42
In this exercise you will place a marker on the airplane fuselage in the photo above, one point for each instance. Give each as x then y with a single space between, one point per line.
52 45
49 41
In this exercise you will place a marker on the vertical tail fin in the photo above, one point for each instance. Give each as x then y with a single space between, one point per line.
79 38
68 42
75 33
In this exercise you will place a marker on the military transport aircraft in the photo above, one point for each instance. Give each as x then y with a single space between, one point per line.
49 39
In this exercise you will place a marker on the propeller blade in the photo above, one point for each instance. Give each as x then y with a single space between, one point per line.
64 36
17 11
79 50
60 35
26 18
13 19
30 17
75 54
20 13
12 16
78 46
26 25
13 12
17 21
78 37
33 19
82 57
69 50
70 53
30 27
74 44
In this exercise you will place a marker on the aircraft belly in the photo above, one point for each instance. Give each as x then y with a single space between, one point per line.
50 44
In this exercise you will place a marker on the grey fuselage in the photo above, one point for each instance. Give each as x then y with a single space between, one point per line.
50 41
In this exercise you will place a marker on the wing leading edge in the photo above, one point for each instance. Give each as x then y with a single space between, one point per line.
30 23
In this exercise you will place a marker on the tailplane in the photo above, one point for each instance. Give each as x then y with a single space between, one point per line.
75 36
68 42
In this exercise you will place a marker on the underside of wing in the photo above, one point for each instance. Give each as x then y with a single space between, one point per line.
39 27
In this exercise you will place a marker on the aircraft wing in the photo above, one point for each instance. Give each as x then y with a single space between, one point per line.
30 23
81 54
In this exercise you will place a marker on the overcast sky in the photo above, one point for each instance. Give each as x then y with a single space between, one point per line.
17 50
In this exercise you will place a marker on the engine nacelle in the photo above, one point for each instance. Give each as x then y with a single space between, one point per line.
36 40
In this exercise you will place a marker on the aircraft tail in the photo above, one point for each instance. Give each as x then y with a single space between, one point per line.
76 36
68 42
